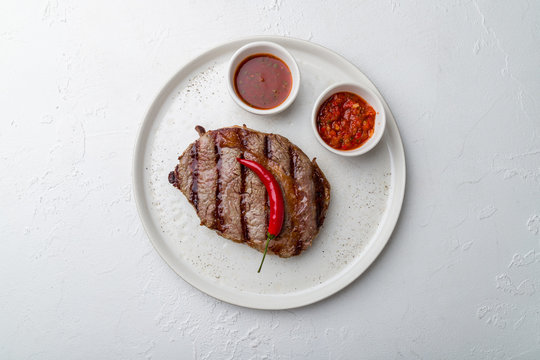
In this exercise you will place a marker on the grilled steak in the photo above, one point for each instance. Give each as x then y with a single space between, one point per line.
231 199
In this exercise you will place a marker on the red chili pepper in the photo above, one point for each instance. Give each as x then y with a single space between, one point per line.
276 200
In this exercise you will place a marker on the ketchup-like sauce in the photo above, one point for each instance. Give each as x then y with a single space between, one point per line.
345 121
263 81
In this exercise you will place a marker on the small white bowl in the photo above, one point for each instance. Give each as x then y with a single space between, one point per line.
371 98
263 47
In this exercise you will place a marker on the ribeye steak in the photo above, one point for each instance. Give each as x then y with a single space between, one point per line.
230 199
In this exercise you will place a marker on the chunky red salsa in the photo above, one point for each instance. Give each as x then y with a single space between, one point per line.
263 81
345 121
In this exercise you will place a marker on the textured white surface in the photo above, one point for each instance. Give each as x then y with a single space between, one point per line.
460 278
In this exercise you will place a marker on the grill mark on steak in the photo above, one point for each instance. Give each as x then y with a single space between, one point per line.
267 149
194 166
245 232
318 181
268 155
292 163
293 159
218 210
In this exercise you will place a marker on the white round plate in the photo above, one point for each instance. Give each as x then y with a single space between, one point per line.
366 196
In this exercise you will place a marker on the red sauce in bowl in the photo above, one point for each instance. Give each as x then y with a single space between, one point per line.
345 121
263 81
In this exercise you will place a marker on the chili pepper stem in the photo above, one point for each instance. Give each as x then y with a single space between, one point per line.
268 238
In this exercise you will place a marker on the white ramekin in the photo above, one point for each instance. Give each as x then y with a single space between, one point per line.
371 98
263 47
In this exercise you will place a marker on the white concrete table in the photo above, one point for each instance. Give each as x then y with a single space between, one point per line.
460 277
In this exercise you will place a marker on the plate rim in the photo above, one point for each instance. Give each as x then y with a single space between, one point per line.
270 301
